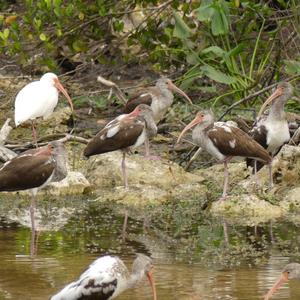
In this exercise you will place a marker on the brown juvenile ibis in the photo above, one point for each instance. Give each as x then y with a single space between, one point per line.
34 169
290 271
272 130
125 132
158 97
224 141
106 278
38 99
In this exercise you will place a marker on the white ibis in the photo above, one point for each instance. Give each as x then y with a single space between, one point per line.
125 132
158 97
34 169
38 99
224 141
290 271
272 130
106 278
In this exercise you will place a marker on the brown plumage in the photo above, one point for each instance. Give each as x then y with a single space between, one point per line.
143 97
29 170
232 141
124 132
33 169
159 97
224 141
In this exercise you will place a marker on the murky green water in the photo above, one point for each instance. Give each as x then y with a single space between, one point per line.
193 259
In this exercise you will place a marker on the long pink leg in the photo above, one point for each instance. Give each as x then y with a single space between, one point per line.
34 135
270 176
33 228
125 225
123 166
226 177
147 151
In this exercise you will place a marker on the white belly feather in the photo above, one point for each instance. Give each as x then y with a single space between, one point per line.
278 134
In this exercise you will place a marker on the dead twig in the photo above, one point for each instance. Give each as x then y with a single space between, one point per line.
114 87
4 132
46 139
245 99
295 138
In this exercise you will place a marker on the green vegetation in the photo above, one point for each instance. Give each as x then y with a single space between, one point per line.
221 50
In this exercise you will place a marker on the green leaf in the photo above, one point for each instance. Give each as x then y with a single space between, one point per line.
292 67
215 50
6 33
236 50
217 75
219 23
181 30
205 11
192 58
43 37
207 89
48 3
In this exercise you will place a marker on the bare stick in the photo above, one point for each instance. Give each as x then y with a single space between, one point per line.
4 132
44 141
114 86
295 138
6 154
254 95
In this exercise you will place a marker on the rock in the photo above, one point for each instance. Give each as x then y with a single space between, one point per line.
74 184
291 202
105 171
237 172
46 218
249 206
150 182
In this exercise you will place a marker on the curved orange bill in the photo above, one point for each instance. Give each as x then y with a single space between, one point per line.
281 280
59 86
196 121
278 92
152 283
174 88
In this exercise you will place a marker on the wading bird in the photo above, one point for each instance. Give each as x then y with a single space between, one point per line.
34 169
125 132
290 271
271 130
38 99
224 141
106 278
158 97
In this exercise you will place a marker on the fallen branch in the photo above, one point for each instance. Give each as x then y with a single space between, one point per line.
6 154
4 132
114 87
254 95
46 139
295 138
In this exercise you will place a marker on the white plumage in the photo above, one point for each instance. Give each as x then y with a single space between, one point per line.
38 98
106 278
102 278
